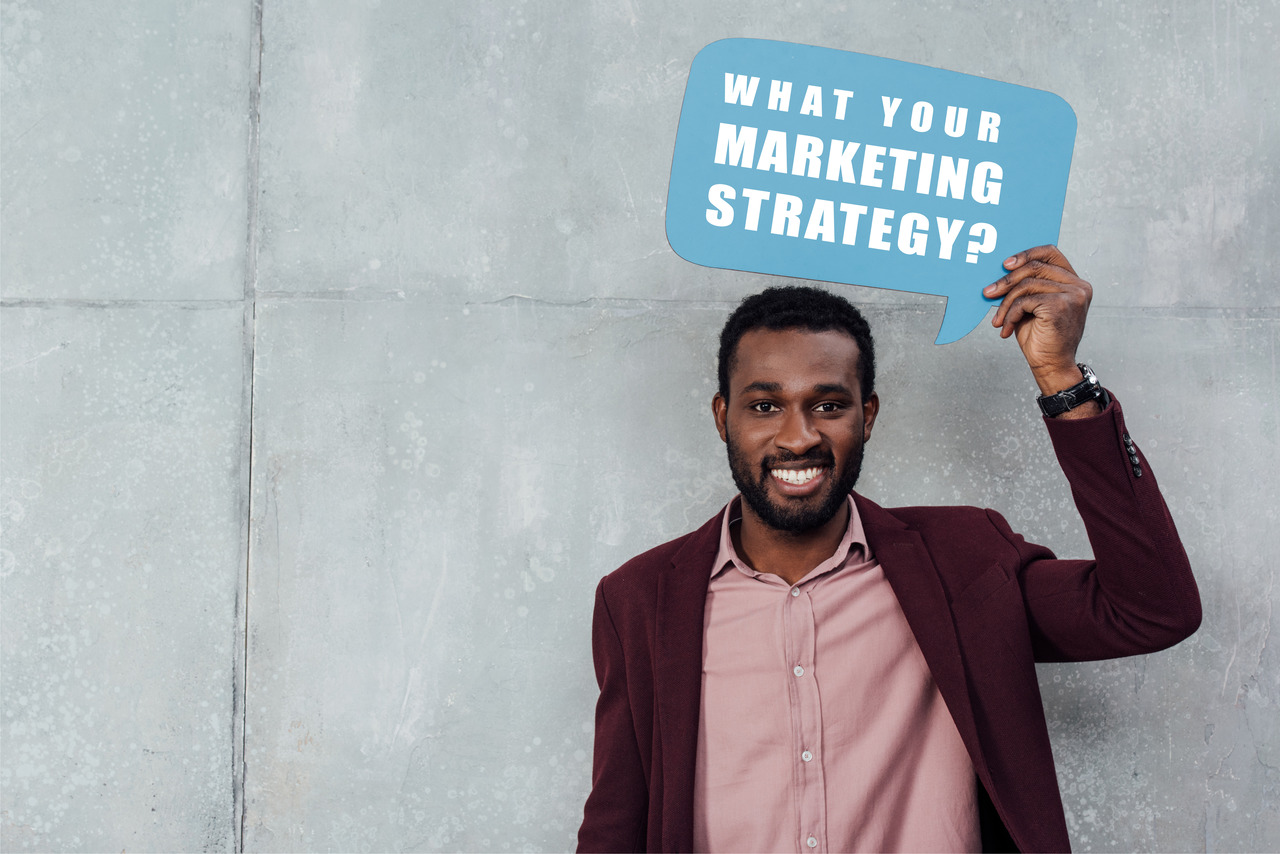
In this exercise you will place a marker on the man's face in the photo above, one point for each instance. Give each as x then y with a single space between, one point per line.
795 424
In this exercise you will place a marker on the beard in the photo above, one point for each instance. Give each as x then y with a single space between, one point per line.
793 515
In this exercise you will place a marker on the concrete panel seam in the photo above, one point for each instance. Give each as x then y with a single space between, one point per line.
632 303
185 304
1190 312
240 666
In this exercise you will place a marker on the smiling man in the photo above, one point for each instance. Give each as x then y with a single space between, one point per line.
809 671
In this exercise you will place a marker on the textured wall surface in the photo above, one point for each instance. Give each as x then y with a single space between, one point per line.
343 351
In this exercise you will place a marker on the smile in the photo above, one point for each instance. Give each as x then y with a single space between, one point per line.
796 477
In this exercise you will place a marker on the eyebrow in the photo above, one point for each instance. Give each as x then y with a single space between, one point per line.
820 388
769 388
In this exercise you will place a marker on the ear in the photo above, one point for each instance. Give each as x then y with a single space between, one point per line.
870 409
720 411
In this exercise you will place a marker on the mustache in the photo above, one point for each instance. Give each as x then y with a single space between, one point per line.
818 459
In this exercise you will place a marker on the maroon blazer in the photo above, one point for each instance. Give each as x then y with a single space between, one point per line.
983 603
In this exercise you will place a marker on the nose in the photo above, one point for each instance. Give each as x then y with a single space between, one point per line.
796 433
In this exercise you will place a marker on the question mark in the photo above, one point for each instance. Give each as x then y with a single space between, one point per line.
984 232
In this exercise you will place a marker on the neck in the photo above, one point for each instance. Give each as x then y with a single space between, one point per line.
790 556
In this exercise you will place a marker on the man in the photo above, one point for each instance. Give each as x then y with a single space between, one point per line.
811 672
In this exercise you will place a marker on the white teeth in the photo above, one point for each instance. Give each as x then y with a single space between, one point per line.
794 477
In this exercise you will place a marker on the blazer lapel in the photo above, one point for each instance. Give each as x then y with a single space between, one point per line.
682 599
914 578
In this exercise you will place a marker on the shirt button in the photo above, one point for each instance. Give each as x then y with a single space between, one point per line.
806 756
798 670
811 842
795 591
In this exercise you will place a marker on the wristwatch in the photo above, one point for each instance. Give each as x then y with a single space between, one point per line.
1082 392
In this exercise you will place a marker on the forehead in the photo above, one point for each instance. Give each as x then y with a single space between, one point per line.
795 356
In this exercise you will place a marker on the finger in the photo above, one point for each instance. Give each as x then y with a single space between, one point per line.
1047 253
1024 262
1032 269
1012 317
1026 308
1024 288
1017 260
1019 310
1077 291
1061 312
1048 300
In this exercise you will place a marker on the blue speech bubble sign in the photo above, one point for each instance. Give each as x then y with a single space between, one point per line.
823 164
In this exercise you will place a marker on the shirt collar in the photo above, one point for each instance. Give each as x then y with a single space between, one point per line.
727 555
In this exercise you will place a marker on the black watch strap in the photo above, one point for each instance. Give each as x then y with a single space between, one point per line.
1082 392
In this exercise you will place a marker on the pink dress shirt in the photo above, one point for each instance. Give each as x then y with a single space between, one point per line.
821 728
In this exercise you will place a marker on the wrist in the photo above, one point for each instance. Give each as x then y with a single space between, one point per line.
1056 378
1083 398
1088 409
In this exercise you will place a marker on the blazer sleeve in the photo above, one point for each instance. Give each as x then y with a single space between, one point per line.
614 818
1138 594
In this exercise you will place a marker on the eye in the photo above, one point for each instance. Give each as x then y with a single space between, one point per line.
828 406
762 406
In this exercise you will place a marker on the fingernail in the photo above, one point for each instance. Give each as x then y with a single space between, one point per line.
1009 263
989 290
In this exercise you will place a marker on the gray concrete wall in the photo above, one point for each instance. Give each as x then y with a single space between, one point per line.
343 351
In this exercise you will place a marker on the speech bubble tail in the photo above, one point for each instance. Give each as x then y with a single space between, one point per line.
961 318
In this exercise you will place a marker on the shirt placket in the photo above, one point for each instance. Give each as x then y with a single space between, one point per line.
805 711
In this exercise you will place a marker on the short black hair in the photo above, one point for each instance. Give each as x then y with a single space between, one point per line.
798 307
